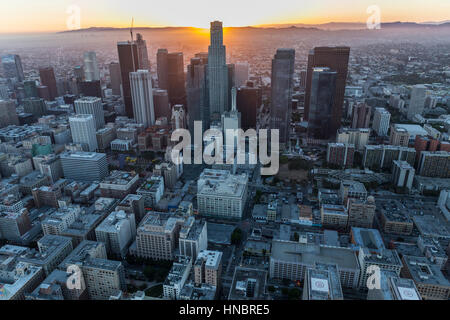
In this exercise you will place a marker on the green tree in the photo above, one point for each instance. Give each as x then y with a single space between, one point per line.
236 236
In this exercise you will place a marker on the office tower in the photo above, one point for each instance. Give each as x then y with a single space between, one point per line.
248 100
91 88
241 73
217 72
361 116
142 97
43 92
399 137
231 120
175 78
335 58
402 174
161 104
162 69
117 232
13 225
12 67
48 79
322 283
84 166
378 157
91 71
341 154
381 120
4 94
114 77
144 63
424 143
78 72
208 267
322 98
152 190
221 194
178 117
282 86
93 106
128 60
361 212
35 106
8 114
231 82
197 92
168 170
417 101
30 89
82 127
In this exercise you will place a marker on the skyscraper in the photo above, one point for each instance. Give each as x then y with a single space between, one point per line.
12 66
175 76
83 131
91 71
417 102
197 92
30 89
8 114
217 72
114 77
241 73
282 87
361 116
142 97
128 60
161 65
91 105
48 79
248 100
35 106
381 120
323 85
335 58
144 63
161 104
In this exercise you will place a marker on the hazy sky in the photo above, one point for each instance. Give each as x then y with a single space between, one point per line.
51 15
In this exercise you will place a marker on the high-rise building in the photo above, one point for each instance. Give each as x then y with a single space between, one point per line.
193 237
12 67
48 79
162 69
399 137
91 71
434 164
241 73
93 106
178 117
83 131
282 87
361 212
322 283
129 62
381 120
341 154
248 100
423 143
335 58
90 88
417 101
142 97
403 174
161 104
8 113
358 137
30 89
197 92
115 78
322 98
35 106
84 166
361 116
208 267
175 78
144 63
217 72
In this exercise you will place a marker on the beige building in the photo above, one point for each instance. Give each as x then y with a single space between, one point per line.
399 137
361 213
208 267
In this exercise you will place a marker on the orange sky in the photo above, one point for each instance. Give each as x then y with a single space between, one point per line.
53 15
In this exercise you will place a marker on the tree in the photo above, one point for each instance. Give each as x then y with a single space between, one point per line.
236 236
294 294
271 289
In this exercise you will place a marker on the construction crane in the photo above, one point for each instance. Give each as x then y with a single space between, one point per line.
131 45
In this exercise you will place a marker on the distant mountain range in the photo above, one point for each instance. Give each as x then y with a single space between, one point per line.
333 26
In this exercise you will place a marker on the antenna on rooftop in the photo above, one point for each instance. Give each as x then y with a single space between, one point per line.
132 41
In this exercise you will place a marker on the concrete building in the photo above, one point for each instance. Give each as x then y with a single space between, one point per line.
176 278
248 284
290 260
221 194
133 203
322 283
358 137
58 221
377 157
352 189
394 218
334 216
117 232
392 287
428 278
152 190
8 113
417 101
208 268
93 106
403 174
340 154
142 97
14 225
83 131
119 184
91 70
361 116
434 164
168 170
385 260
381 120
84 166
399 137
193 237
361 213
